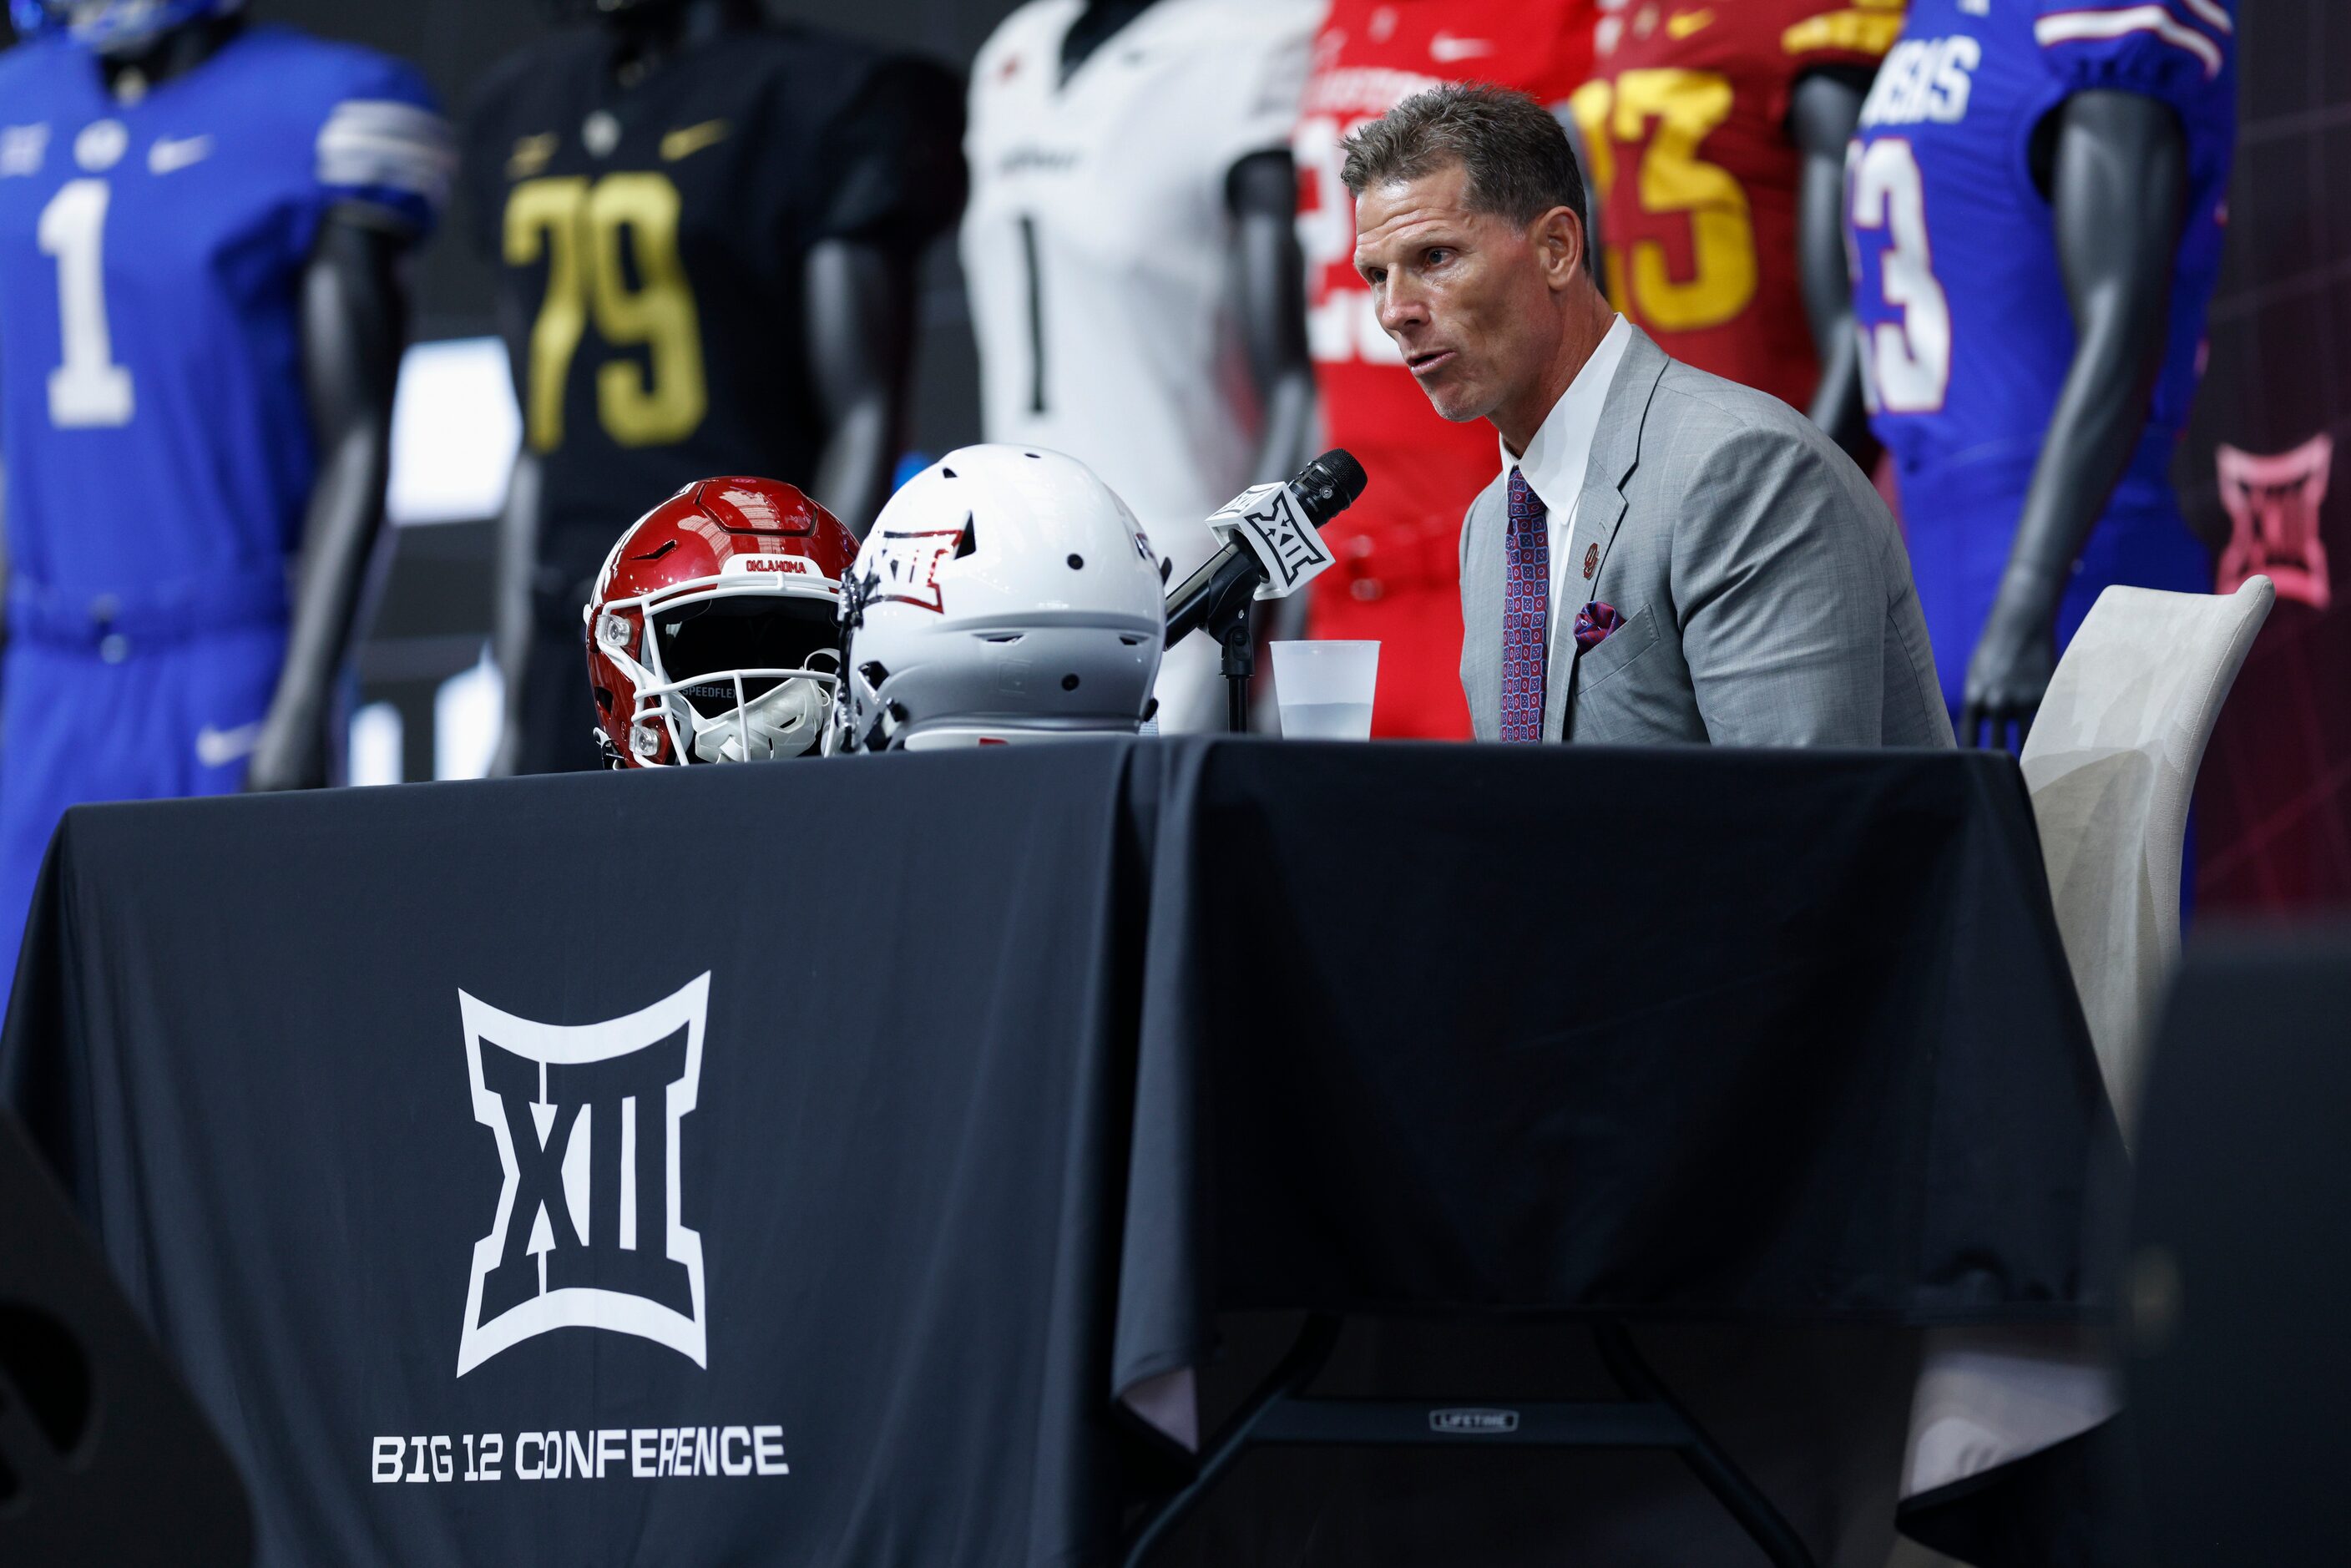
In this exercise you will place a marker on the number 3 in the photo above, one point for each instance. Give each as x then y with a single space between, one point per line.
89 391
1686 106
660 402
1910 361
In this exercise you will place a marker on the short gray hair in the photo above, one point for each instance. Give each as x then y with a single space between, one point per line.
1520 163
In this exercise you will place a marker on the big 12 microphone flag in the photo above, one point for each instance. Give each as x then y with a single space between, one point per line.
1285 543
1273 542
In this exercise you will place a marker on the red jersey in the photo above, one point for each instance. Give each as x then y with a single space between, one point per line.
1397 578
1684 123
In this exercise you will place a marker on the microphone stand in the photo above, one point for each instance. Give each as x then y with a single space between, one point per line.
1216 598
1228 623
1226 619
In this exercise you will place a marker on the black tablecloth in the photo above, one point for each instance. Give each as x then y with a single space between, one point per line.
1008 1072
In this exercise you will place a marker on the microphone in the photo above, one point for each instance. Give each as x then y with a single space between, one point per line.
1272 540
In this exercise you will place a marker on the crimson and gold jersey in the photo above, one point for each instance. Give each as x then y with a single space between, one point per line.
1684 123
1397 578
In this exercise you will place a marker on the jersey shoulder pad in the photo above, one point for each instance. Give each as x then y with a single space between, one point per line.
1835 32
889 133
384 142
2171 50
1253 59
377 138
1037 25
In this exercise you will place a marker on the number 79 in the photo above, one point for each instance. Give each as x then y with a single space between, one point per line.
580 229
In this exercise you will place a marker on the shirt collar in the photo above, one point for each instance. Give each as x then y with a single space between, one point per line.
1556 458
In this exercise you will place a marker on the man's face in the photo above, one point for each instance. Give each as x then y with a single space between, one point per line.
1464 293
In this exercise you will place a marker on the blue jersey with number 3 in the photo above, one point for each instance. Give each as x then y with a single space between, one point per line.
1967 335
153 418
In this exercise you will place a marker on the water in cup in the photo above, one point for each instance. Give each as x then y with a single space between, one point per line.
1325 689
1326 721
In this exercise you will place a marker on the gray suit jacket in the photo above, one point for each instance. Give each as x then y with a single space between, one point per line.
1765 591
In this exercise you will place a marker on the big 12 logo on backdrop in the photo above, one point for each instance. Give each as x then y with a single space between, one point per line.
587 1119
2274 505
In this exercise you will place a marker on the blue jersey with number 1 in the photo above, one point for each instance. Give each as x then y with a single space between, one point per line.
153 419
1967 335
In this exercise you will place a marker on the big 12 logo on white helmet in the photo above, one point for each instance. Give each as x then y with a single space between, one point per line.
1004 594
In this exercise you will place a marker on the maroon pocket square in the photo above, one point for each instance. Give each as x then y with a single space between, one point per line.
1593 624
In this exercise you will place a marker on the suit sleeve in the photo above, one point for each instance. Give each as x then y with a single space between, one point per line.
1777 579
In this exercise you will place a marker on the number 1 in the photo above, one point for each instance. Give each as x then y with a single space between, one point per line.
89 391
1035 315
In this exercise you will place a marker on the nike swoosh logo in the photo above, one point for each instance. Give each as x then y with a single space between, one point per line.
1682 23
1445 49
167 156
679 145
531 154
219 748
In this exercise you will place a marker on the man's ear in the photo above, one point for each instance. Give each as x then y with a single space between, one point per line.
1562 244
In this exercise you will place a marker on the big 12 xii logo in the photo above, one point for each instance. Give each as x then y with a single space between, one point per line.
587 1121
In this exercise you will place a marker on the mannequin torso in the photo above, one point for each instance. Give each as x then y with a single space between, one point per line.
1261 194
2037 217
353 318
791 345
1131 261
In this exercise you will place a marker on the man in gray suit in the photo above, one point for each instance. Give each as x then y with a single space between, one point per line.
1665 556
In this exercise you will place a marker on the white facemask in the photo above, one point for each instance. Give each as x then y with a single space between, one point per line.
787 721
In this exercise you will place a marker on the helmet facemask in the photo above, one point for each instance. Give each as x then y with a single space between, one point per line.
727 670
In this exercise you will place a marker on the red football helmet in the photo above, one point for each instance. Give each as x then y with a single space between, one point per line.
713 633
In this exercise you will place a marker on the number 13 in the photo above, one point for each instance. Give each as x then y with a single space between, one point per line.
1685 107
1909 361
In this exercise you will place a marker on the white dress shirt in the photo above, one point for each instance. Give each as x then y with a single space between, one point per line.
1554 461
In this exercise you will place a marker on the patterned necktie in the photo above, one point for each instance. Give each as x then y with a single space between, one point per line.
1526 613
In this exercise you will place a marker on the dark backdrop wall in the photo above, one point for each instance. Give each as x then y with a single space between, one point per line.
2275 800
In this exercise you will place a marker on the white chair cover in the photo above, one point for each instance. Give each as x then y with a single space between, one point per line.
2111 763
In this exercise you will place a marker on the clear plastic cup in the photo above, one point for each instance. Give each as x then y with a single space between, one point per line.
1324 689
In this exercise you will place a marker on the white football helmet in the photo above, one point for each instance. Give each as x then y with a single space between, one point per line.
1004 595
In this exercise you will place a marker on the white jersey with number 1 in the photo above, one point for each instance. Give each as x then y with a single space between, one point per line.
1097 249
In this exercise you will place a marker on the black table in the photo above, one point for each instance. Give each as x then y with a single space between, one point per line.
987 1082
